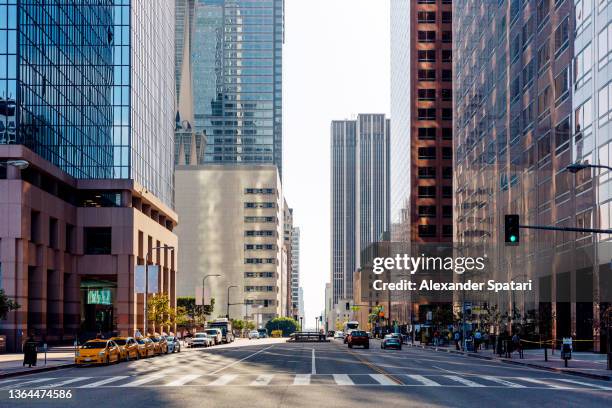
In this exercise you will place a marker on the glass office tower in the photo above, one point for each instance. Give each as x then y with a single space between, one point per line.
229 62
89 87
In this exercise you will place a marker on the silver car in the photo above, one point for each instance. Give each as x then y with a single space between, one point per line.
174 344
216 334
202 340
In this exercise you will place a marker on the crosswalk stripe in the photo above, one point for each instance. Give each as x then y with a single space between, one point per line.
463 381
224 379
183 380
541 382
104 381
383 379
142 380
423 380
601 387
343 379
301 379
503 382
263 379
65 382
38 380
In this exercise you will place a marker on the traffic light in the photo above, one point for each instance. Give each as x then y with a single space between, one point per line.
511 229
348 306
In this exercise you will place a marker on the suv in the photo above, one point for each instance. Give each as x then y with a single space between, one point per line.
358 338
215 334
201 340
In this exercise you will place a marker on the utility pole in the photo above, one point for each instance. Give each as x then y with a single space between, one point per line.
228 298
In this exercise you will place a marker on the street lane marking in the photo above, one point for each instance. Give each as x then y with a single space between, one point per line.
343 379
65 382
8 381
104 382
143 380
601 387
242 359
314 365
383 379
223 380
263 379
183 380
423 380
463 381
541 382
38 380
301 379
502 382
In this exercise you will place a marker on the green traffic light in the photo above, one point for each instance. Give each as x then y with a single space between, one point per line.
512 238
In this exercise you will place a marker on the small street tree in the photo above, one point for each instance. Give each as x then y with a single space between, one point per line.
159 311
286 324
7 305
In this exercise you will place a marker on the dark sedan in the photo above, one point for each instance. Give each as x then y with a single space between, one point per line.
358 338
391 341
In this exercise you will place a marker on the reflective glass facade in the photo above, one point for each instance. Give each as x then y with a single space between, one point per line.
233 92
89 87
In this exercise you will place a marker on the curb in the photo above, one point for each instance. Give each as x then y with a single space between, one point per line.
37 370
508 361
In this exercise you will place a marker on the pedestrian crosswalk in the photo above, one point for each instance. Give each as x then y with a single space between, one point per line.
284 379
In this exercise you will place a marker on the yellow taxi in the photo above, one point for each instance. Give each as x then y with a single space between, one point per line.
161 345
146 347
98 351
128 347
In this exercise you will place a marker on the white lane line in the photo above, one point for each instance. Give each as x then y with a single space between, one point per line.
223 380
343 379
8 381
263 379
143 380
104 382
383 379
183 380
65 382
541 382
38 380
502 381
463 381
423 380
601 387
301 379
314 364
241 360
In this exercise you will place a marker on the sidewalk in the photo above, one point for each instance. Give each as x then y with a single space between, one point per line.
57 357
584 364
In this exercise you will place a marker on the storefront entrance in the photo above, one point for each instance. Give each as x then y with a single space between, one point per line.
98 307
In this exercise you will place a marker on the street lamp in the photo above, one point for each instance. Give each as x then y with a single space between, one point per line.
576 167
228 298
204 282
146 317
19 164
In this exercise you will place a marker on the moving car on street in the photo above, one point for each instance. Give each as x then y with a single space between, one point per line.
391 341
128 347
202 340
338 335
215 334
174 344
263 333
226 329
358 338
98 351
146 347
253 334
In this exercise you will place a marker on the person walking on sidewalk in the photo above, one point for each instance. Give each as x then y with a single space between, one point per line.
29 352
516 344
457 338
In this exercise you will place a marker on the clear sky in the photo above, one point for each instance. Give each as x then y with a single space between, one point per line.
335 65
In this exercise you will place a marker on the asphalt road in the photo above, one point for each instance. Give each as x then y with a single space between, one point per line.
271 373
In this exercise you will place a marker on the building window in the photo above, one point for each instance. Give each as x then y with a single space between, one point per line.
35 226
562 86
447 94
69 238
562 135
426 17
426 36
447 114
562 36
427 231
605 46
427 191
259 219
447 17
583 118
427 55
427 153
447 36
447 56
529 72
258 191
447 134
259 205
544 55
447 230
583 64
427 74
447 75
53 233
427 211
427 133
604 104
528 31
447 173
427 172
447 192
544 147
447 153
260 260
259 247
542 11
98 240
544 101
447 211
583 14
259 233
427 94
426 113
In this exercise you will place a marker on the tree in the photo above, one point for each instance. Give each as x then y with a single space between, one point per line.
7 305
181 318
238 324
196 314
250 325
286 324
159 311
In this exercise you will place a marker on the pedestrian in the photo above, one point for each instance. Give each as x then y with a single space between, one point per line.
516 344
29 352
457 338
477 338
485 339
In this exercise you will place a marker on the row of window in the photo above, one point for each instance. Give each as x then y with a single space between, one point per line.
258 191
259 205
428 94
429 172
431 113
259 247
429 133
260 233
429 17
431 211
429 153
430 36
261 302
431 231
259 219
430 191
260 289
259 275
258 261
428 75
430 55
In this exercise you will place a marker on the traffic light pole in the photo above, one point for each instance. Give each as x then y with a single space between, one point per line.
568 229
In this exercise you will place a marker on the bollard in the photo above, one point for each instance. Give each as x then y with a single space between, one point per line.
545 353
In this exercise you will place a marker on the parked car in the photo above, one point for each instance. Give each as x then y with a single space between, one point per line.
253 334
391 341
358 338
216 334
158 346
98 351
263 333
128 347
338 335
174 344
202 340
146 347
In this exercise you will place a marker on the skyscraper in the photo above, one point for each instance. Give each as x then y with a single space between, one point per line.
359 194
296 290
229 81
422 114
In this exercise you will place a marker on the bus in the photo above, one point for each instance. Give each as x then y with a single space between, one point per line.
226 329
